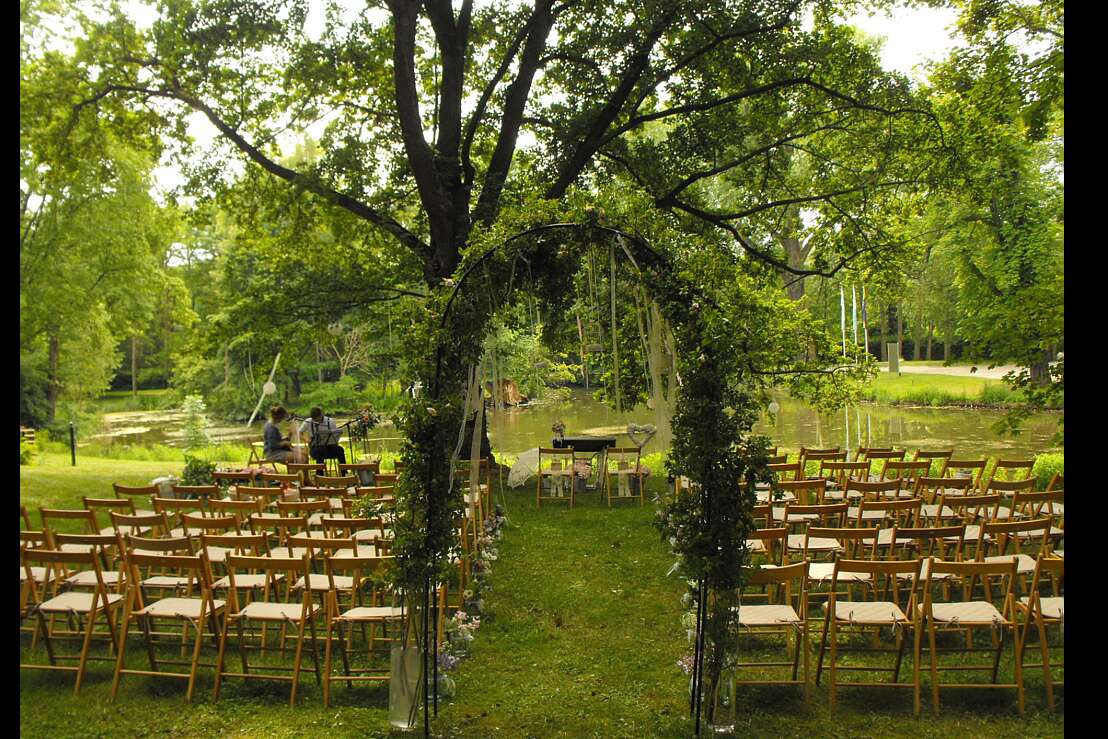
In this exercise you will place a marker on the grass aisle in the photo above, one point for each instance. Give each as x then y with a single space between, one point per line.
584 635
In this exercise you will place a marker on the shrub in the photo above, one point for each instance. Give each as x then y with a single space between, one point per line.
1046 465
197 471
196 422
26 452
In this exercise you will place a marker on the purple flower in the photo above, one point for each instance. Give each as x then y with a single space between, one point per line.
686 664
447 662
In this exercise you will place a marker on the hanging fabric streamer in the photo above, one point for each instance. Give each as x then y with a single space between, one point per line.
865 318
842 314
615 340
854 311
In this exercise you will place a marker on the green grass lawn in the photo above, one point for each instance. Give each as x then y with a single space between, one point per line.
938 390
580 638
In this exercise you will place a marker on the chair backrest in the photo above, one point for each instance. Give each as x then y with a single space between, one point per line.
884 454
1006 534
125 505
168 556
321 544
971 468
161 544
1005 569
970 508
1010 487
156 523
875 490
875 568
929 488
840 472
1056 483
174 507
914 542
349 468
773 540
622 458
53 517
347 481
1054 567
807 492
930 456
375 491
240 509
386 479
832 514
555 459
783 470
908 471
303 507
271 567
209 523
1012 469
902 512
777 459
282 526
863 452
1037 505
807 455
265 494
60 561
131 491
100 545
279 479
854 541
787 585
250 544
196 491
344 526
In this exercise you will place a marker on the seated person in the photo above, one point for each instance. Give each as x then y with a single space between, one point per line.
278 448
324 439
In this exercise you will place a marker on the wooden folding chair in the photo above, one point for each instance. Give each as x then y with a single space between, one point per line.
785 612
848 615
104 547
224 479
266 495
839 475
55 518
1041 612
810 454
1025 541
1008 490
386 479
279 479
962 617
240 509
201 613
558 475
257 458
1057 483
172 508
300 616
971 510
367 532
1011 469
798 515
821 547
777 459
880 456
624 476
857 490
71 604
929 488
926 543
862 453
199 525
140 494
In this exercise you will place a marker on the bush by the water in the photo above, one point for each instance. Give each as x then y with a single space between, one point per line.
1046 465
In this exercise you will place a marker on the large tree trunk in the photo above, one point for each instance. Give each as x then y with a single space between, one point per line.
882 348
52 382
795 254
1040 369
930 338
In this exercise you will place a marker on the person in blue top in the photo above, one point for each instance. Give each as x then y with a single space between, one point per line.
324 437
278 448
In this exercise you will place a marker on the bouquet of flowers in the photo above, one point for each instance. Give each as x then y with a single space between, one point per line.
559 428
366 421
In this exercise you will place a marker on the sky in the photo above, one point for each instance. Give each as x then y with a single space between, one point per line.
912 36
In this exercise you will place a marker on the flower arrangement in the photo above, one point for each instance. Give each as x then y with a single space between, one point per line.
559 428
367 420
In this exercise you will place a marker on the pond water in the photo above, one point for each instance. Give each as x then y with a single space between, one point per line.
515 430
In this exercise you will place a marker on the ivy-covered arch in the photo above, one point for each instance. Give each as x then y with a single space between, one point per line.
711 423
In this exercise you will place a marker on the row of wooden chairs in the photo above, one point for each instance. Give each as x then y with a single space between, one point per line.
53 591
933 607
559 471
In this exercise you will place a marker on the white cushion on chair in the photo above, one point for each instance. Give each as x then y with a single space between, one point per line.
76 602
767 615
1051 607
975 612
822 571
879 612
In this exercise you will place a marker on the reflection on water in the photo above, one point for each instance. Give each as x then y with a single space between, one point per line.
968 431
515 430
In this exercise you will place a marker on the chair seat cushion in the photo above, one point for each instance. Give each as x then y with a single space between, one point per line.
39 573
1051 607
852 514
372 613
815 543
87 579
767 615
763 496
879 612
822 571
244 581
779 515
975 613
77 602
931 510
1024 563
262 611
885 537
321 582
166 581
177 607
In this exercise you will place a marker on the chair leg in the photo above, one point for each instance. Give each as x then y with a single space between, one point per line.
934 668
1044 647
823 642
195 654
327 665
122 651
296 664
222 649
83 662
